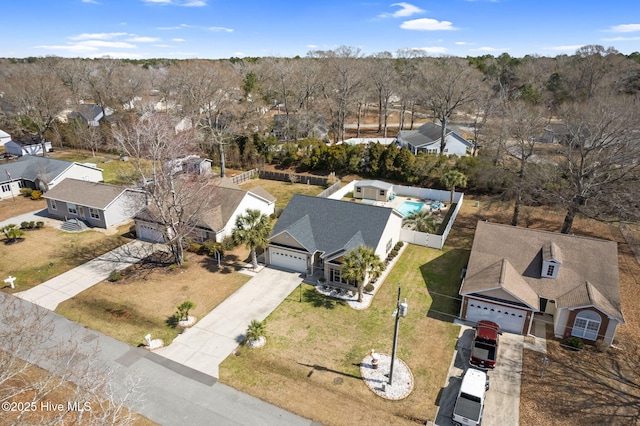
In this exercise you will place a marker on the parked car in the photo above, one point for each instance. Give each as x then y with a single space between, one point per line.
470 402
484 350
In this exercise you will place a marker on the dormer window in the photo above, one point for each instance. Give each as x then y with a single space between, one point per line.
551 260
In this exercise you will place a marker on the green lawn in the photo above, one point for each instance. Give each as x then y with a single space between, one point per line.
314 342
282 191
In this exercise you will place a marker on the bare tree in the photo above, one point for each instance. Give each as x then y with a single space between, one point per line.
601 160
448 84
36 98
383 75
38 365
177 201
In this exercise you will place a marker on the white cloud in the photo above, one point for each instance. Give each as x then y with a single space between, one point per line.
312 46
624 28
143 39
464 43
90 1
185 3
621 38
406 9
69 47
178 40
427 24
99 36
220 29
102 43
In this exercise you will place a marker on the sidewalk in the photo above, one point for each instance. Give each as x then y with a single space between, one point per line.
58 289
213 338
169 393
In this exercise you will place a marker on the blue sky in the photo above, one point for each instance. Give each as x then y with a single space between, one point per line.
223 28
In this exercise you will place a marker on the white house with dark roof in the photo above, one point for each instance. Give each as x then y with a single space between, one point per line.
26 146
313 234
96 204
216 223
426 138
515 273
4 137
42 173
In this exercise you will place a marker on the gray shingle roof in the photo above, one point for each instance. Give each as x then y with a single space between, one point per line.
375 184
30 167
332 226
583 260
90 194
429 134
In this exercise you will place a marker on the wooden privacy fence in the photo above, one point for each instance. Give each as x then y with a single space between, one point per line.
287 177
243 177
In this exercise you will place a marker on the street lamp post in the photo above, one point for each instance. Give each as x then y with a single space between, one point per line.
401 311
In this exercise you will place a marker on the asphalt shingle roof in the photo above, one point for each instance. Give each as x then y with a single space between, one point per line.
584 260
332 226
90 194
30 167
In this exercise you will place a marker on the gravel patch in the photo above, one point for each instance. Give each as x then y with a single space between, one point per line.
378 381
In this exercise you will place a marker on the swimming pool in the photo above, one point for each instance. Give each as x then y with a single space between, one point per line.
409 207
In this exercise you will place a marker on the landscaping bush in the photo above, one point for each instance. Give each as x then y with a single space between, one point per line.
368 288
183 310
26 191
115 276
398 245
24 225
36 195
394 252
574 342
39 224
256 330
195 248
227 244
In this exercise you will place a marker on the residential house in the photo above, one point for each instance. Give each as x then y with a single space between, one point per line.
517 273
427 139
375 190
217 222
89 114
191 164
4 137
42 173
313 234
96 204
26 146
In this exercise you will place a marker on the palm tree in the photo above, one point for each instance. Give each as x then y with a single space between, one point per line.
422 221
252 229
360 264
451 179
256 330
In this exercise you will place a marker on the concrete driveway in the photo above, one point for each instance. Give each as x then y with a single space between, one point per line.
213 338
502 404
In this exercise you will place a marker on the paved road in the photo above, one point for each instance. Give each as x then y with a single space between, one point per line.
213 338
169 393
58 289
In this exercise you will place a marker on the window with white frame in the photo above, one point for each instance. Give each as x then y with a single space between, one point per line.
382 192
6 188
95 213
335 275
54 206
389 245
358 189
72 208
550 270
586 325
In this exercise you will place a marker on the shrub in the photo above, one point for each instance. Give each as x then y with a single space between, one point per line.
115 276
574 342
601 346
398 245
39 224
368 288
394 252
26 191
256 330
183 310
24 225
195 248
36 195
227 244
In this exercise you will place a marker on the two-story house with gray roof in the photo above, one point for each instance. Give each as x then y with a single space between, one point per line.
313 234
515 273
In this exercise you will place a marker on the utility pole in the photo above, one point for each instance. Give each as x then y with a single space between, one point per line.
401 311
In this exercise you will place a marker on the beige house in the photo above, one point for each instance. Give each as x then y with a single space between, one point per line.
517 273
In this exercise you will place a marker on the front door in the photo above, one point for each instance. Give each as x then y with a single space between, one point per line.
81 211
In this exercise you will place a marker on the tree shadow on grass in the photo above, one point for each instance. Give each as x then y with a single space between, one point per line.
443 276
317 367
319 300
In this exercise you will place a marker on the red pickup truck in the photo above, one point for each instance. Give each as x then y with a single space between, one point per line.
484 351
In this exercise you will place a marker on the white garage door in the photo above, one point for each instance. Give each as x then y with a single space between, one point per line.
289 260
509 319
148 233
